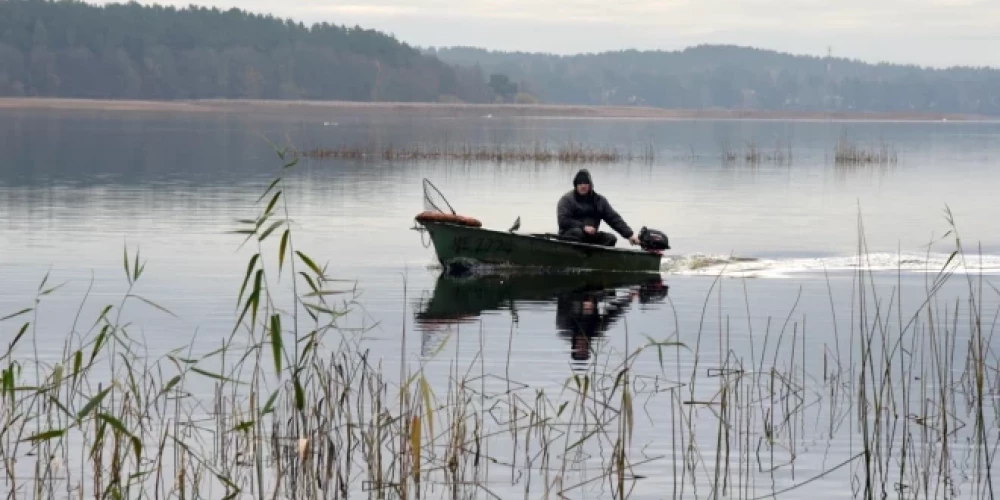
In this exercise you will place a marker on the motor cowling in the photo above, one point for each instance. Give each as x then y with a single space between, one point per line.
653 240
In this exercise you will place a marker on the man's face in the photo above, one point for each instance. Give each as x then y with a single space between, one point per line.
583 188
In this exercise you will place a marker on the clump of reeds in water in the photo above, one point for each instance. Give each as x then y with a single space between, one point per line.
569 153
754 155
850 153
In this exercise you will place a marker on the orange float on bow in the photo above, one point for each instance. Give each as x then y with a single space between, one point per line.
449 218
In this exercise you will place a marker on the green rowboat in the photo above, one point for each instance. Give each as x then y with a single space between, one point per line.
464 247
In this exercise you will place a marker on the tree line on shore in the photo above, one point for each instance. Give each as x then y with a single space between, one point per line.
131 51
732 77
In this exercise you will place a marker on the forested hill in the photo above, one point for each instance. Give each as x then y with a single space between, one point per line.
74 49
735 77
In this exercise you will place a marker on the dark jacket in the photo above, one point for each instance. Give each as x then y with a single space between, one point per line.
575 211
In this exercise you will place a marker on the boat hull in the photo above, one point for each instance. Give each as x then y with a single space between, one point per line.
461 247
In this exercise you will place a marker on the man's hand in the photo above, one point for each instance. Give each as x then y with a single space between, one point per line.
634 240
589 229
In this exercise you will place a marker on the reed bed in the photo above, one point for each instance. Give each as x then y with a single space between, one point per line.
570 153
293 404
850 153
753 154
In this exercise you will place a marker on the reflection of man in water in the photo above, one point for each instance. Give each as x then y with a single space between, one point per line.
587 314
580 317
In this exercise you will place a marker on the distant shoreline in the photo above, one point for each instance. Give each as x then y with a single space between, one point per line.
462 110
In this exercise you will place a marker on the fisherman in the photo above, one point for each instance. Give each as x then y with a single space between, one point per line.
581 211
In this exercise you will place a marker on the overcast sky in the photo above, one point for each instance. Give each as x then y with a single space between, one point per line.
925 32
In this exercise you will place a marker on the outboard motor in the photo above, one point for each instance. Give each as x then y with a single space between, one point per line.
653 240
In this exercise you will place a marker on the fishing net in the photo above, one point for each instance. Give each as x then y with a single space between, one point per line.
434 201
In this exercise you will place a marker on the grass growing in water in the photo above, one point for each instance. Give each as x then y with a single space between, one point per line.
754 155
571 153
293 405
850 153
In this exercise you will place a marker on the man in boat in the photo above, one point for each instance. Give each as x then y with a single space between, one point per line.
580 212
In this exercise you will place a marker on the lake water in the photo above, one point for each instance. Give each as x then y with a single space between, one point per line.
76 188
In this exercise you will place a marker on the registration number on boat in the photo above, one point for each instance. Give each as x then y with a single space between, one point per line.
479 244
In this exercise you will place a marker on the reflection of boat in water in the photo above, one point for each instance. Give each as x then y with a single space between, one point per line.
587 304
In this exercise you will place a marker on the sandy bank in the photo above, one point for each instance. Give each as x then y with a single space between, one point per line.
456 110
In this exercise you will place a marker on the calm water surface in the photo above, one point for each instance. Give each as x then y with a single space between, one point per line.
76 188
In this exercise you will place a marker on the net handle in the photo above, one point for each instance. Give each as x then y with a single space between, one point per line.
428 183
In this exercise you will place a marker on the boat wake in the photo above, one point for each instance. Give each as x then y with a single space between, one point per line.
732 266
